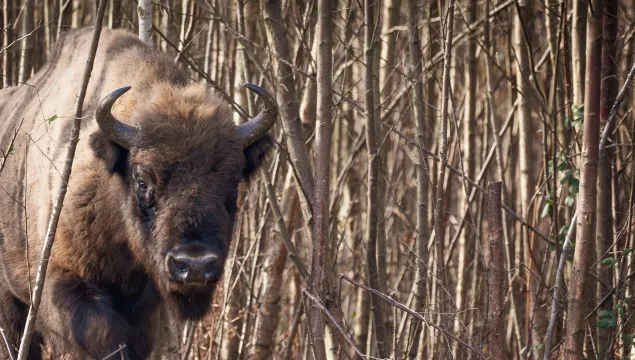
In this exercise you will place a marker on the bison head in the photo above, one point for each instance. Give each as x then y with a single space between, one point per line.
178 171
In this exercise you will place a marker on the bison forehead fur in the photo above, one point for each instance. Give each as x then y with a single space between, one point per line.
142 225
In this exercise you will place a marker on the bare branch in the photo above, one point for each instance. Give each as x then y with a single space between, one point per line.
418 316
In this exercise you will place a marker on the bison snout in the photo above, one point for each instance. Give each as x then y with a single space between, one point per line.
193 269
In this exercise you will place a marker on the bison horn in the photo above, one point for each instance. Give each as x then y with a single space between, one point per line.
257 127
117 131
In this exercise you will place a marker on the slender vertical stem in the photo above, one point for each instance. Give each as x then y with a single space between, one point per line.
496 270
439 226
587 200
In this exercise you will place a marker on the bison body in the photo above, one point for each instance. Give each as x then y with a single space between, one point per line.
149 212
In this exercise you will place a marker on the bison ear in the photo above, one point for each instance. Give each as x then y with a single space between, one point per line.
113 156
255 155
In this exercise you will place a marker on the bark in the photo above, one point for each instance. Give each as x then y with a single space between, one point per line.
289 106
48 40
243 71
77 11
387 76
308 105
114 16
418 108
166 25
372 140
384 146
584 247
145 12
605 236
59 199
323 137
466 239
578 48
7 17
28 41
496 270
444 299
528 161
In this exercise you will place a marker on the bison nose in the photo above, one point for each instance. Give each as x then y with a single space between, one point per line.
193 269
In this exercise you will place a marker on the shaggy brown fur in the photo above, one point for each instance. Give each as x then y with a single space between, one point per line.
107 271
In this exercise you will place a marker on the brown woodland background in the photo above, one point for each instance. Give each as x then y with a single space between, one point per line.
395 116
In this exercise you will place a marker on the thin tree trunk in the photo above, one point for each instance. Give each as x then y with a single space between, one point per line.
496 270
444 299
28 41
146 14
166 25
114 16
418 108
465 242
321 204
7 14
587 200
578 48
605 236
77 12
372 218
289 106
527 155
388 60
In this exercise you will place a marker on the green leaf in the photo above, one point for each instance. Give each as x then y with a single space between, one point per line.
567 122
546 210
609 262
578 112
11 149
569 201
605 313
620 310
627 339
626 252
574 186
566 177
564 230
606 323
51 119
539 347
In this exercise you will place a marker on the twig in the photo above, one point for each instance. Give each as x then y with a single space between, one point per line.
478 187
616 106
294 329
413 313
339 327
6 342
59 200
5 154
121 347
280 225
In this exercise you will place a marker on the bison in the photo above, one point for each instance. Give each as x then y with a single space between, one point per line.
151 200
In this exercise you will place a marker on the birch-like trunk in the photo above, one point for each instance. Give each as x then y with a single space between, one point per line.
418 348
28 41
145 13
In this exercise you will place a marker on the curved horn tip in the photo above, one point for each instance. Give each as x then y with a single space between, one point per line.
121 91
255 88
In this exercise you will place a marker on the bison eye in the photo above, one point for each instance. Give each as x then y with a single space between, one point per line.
142 185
